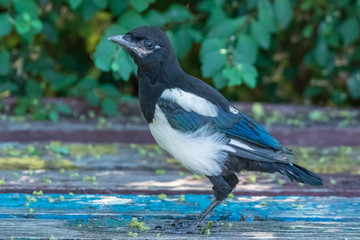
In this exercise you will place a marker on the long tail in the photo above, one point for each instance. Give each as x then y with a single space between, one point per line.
291 170
266 160
300 174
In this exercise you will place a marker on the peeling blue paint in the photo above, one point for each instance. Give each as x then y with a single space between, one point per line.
114 208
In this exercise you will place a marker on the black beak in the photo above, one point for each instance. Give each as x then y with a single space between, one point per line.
119 39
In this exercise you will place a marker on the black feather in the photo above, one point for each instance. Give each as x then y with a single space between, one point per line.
292 171
300 174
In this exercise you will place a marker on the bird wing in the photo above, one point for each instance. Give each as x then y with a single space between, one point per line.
248 138
238 125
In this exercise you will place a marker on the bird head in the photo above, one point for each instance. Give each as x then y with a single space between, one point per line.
149 46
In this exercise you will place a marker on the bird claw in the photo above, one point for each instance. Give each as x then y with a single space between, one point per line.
177 227
183 227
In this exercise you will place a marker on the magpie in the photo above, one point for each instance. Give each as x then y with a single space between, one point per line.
194 123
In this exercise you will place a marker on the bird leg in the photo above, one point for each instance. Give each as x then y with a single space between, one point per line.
180 227
223 185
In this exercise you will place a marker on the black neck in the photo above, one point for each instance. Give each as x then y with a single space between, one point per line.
152 82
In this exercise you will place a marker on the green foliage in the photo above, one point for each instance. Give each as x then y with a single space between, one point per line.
306 51
354 85
5 63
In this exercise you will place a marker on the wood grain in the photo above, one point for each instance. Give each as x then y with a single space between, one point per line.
109 216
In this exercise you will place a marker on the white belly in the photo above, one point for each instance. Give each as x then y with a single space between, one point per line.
202 152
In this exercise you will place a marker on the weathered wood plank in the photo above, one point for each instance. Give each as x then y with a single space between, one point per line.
113 228
309 136
135 169
291 124
148 182
103 216
84 206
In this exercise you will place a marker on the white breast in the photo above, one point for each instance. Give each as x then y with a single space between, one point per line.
202 151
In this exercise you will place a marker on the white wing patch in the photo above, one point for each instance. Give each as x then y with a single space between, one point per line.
233 110
240 144
190 102
203 151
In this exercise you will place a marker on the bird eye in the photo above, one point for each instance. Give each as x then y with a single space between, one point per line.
149 44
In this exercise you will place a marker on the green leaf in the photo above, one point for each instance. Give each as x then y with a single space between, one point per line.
5 3
349 30
109 107
212 55
5 62
334 40
217 15
308 31
181 40
195 35
219 81
283 12
7 86
321 53
50 32
53 116
312 91
249 80
184 41
117 7
339 97
233 75
177 13
20 108
246 50
88 9
155 18
37 25
93 98
261 34
62 108
210 45
114 66
27 6
5 25
266 15
241 73
140 5
110 91
226 27
208 5
21 25
131 19
342 3
74 4
105 50
100 3
354 85
39 115
33 89
58 81
85 85
249 74
103 61
213 62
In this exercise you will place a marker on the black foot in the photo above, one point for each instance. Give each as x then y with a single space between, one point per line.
177 227
183 227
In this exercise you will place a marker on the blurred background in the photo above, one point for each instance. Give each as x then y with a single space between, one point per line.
282 51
